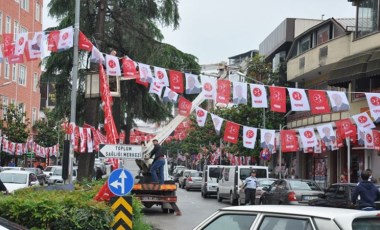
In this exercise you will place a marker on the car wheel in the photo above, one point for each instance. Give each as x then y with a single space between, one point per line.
165 210
218 197
233 201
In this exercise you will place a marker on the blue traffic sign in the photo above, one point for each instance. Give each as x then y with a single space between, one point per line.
120 182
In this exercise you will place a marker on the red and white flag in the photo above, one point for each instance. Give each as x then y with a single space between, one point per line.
21 39
90 147
369 140
318 102
363 121
112 65
208 87
35 45
267 137
345 127
82 140
8 45
376 139
129 69
84 42
192 84
53 39
223 92
66 38
338 101
373 100
184 106
308 137
231 132
145 73
217 121
277 99
176 81
298 99
289 141
201 116
161 75
259 96
156 87
96 56
239 93
249 137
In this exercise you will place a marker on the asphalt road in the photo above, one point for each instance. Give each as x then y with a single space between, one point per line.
194 210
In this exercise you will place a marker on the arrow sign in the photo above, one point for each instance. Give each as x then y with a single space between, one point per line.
121 151
120 182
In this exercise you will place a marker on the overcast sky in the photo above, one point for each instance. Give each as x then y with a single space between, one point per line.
214 30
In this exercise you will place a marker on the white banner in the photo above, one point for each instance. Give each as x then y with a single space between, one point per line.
249 137
156 87
373 100
208 87
145 73
259 96
363 121
369 140
161 75
112 65
217 121
201 116
192 84
21 39
66 37
308 137
170 96
298 99
239 93
327 134
338 101
267 139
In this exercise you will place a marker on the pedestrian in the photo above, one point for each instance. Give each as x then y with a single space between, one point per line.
249 186
368 193
158 163
3 188
39 166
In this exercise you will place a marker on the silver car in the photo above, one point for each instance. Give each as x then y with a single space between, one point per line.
191 179
287 217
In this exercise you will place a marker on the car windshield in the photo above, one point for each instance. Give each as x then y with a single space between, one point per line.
246 172
265 183
196 174
14 178
304 185
57 172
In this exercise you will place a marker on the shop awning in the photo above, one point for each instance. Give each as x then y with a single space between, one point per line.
373 65
350 67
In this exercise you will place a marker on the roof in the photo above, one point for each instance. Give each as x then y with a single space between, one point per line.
322 212
347 23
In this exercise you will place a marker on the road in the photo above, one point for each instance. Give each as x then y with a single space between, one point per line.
194 209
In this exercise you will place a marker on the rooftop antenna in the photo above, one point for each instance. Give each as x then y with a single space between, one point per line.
322 16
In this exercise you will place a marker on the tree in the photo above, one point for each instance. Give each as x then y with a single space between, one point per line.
131 28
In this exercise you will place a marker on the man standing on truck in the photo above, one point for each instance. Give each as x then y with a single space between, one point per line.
249 186
158 163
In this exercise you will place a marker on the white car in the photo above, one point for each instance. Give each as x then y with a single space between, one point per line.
50 169
55 177
290 217
17 179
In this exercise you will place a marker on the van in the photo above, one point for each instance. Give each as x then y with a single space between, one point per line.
211 175
232 178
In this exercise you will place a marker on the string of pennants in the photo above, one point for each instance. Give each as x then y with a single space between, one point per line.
19 149
171 83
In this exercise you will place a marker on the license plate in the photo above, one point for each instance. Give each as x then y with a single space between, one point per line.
309 197
150 198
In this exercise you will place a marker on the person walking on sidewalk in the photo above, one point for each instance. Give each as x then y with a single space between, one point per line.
368 193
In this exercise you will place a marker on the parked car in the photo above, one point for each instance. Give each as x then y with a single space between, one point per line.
18 179
338 195
42 178
261 183
290 191
286 217
56 176
210 179
177 172
190 179
11 168
50 169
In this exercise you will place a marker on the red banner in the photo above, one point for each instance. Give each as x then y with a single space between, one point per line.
289 141
277 99
231 132
345 128
84 42
8 47
14 59
184 106
223 91
53 40
376 139
318 102
176 81
129 69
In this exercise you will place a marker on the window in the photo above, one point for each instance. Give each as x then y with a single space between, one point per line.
13 101
6 69
368 84
304 44
21 108
35 82
367 17
25 4
1 22
226 174
38 12
14 72
23 30
22 75
366 223
232 221
8 25
34 116
285 223
323 35
5 107
16 29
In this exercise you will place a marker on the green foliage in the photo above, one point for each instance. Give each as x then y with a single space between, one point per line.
15 125
48 130
40 209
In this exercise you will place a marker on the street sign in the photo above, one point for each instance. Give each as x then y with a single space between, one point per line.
121 151
120 182
123 211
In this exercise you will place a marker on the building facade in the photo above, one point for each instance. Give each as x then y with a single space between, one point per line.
21 16
340 55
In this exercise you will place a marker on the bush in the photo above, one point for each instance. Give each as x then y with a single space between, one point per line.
41 209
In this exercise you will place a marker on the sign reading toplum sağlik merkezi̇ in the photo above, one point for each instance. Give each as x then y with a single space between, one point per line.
121 151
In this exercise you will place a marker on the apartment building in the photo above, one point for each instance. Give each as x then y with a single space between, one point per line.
341 55
19 83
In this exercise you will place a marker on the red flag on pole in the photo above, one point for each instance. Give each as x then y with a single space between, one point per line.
277 99
84 42
8 46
